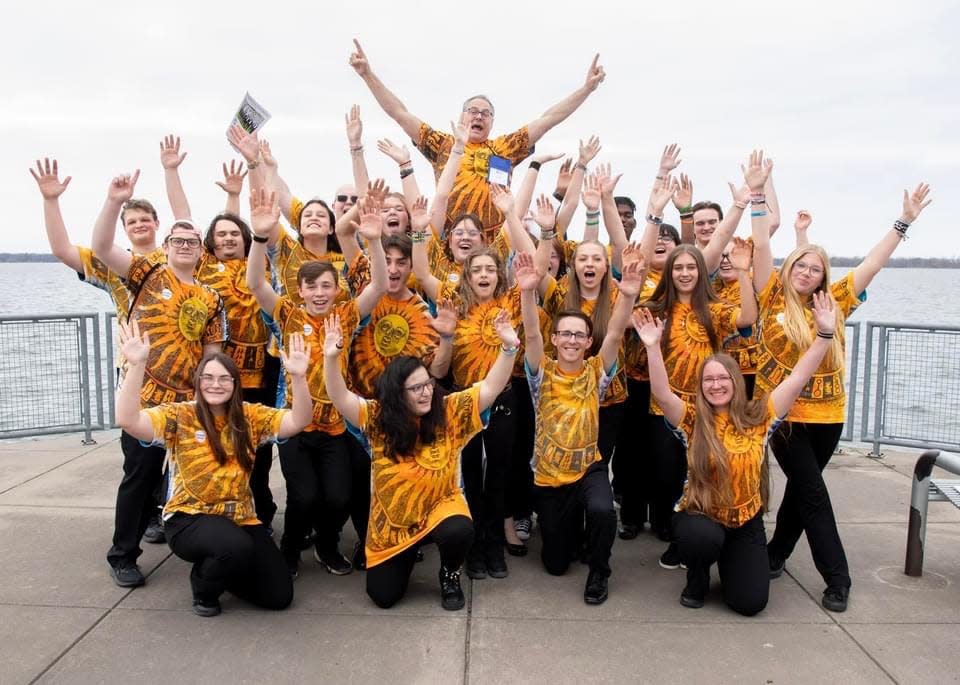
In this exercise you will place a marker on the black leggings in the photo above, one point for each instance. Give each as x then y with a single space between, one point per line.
739 553
136 498
633 461
225 556
263 458
519 496
803 450
387 582
670 467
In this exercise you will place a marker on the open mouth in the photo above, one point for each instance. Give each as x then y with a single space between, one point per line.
660 249
476 127
393 223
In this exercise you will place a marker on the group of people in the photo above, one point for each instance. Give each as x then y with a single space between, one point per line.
447 371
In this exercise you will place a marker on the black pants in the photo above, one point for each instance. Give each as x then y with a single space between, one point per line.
519 496
225 556
484 464
360 481
387 582
803 450
316 466
136 498
633 463
263 460
750 381
561 512
610 419
670 465
739 553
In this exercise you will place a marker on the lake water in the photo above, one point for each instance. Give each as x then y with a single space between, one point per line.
925 391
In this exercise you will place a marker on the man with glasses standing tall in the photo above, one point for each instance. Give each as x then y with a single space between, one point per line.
184 320
483 157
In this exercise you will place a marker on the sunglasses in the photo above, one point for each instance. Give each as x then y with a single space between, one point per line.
344 198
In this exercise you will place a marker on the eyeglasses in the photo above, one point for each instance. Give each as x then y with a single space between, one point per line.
207 379
811 269
579 336
420 388
464 233
484 113
716 380
181 242
344 198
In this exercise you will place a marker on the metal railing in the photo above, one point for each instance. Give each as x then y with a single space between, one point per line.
905 378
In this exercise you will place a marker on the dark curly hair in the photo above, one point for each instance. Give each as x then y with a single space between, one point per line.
400 427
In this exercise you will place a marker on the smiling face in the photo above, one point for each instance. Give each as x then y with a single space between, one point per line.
590 265
685 274
727 273
464 238
315 221
482 277
572 339
398 271
140 227
716 384
418 391
217 385
319 294
478 118
395 217
807 273
186 254
661 251
704 224
227 240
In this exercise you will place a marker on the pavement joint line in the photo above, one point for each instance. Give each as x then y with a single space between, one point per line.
90 507
466 636
52 468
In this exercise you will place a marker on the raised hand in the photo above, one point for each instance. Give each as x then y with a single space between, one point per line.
669 159
683 195
232 182
358 60
915 202
332 336
741 195
741 254
755 173
502 198
546 157
647 326
634 270
589 150
661 194
134 346
563 178
803 220
460 132
595 75
296 358
608 182
377 190
264 211
631 253
445 322
527 276
354 126
266 155
47 177
545 217
247 144
504 327
121 187
591 193
824 315
419 215
170 156
398 153
371 223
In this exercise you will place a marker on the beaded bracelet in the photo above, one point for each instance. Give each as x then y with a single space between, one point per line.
418 236
509 351
901 228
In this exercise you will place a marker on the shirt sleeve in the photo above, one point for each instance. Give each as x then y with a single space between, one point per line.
163 417
435 145
216 329
844 295
263 422
514 146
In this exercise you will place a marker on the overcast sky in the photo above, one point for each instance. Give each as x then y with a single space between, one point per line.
855 101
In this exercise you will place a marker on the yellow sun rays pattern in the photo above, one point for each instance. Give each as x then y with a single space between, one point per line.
743 350
476 343
288 255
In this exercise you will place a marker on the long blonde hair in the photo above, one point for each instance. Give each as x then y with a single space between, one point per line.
796 324
708 469
602 308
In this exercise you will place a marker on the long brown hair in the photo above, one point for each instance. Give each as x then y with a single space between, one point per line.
665 296
237 430
465 292
601 310
708 469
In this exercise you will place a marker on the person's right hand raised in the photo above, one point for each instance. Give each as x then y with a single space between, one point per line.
647 326
264 212
358 60
525 272
332 336
246 143
134 346
47 177
121 187
170 156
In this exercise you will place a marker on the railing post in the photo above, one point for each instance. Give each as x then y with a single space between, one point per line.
98 369
854 376
85 383
881 389
867 375
111 369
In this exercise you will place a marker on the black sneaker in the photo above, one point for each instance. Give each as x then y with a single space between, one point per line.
690 600
628 531
476 566
359 556
451 594
308 540
206 609
523 527
333 562
293 565
496 564
596 590
127 576
835 598
776 567
155 534
517 550
670 559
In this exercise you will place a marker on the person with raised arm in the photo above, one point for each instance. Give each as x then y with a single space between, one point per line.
571 482
316 462
719 518
415 433
210 516
186 320
471 193
806 441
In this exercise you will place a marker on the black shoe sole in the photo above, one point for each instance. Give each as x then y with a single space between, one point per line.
595 600
125 583
517 550
691 602
477 574
459 604
498 573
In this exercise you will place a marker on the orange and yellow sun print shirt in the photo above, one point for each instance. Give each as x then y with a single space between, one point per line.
471 190
413 494
823 398
293 318
634 352
567 409
181 318
286 258
745 455
742 349
199 484
445 269
99 275
247 342
689 346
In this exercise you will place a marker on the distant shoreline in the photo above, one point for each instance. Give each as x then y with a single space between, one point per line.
895 263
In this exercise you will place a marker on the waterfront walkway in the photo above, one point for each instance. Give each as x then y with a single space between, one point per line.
63 620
